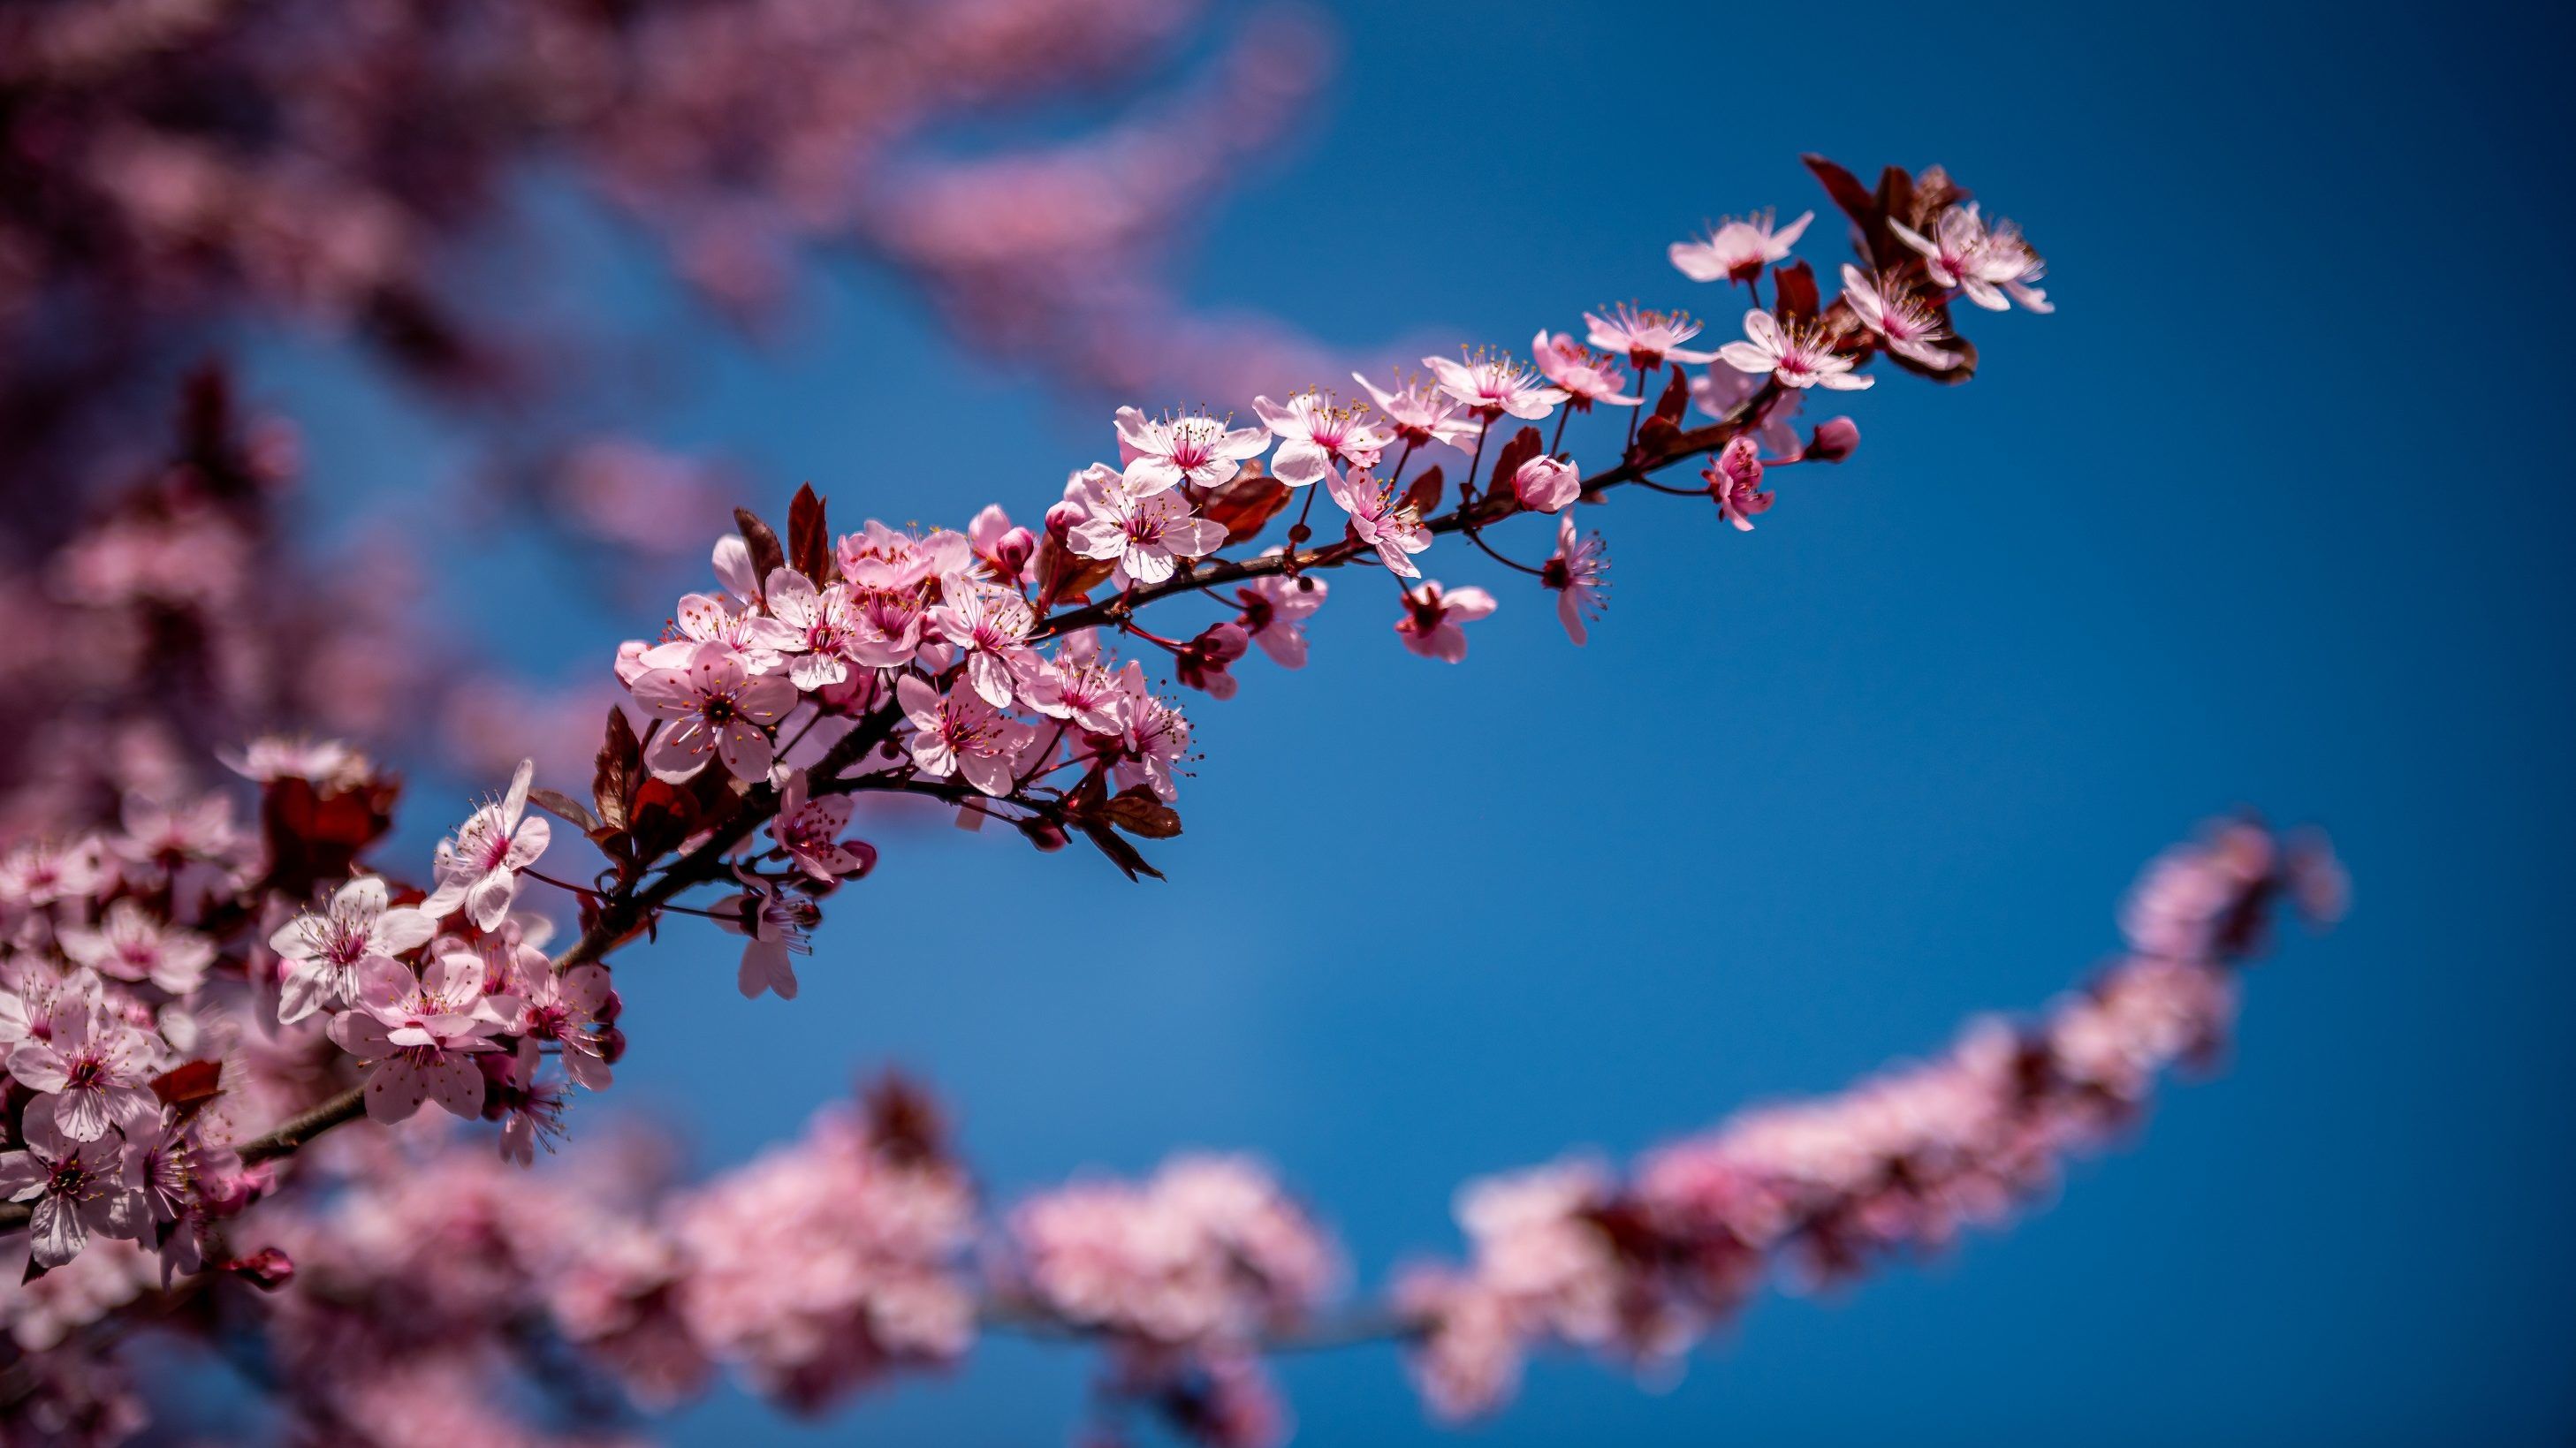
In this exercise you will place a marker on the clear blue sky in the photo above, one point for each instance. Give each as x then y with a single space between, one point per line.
2264 515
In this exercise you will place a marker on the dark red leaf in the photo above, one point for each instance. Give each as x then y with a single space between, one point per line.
1525 444
1246 503
1675 399
619 768
1846 190
191 1083
1794 291
1137 811
1423 494
564 807
767 556
1120 853
1064 574
809 536
313 837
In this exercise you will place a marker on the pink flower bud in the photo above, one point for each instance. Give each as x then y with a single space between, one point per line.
1061 518
1011 551
1546 484
1835 439
268 1269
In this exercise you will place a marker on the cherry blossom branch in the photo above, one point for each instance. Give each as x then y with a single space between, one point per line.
1474 511
626 913
619 918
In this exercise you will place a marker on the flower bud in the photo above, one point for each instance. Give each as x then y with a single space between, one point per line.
1546 484
267 1269
1011 551
1834 439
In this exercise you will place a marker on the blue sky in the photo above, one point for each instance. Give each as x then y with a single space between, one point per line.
2267 514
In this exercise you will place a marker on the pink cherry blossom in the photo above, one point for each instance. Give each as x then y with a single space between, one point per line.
328 764
1493 386
37 996
1719 391
41 872
1983 264
990 626
735 570
131 943
419 1033
1422 412
1147 535
827 1262
1206 662
957 733
1431 624
762 642
1315 433
1382 519
1547 484
1648 339
775 926
1737 251
880 559
1579 572
712 707
1210 1251
1585 376
884 629
808 832
1076 686
1196 449
566 1007
1894 312
1796 354
1735 481
95 1073
478 868
827 628
1275 609
1155 741
162 839
325 952
77 1186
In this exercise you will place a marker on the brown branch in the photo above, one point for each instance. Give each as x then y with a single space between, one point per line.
1357 1327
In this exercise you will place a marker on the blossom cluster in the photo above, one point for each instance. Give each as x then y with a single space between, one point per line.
1003 668
172 982
1571 1254
419 1269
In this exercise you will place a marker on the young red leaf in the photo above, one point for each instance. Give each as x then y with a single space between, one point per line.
1794 288
1845 189
809 536
767 556
1246 503
620 767
1423 493
1525 444
564 807
1139 812
191 1083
